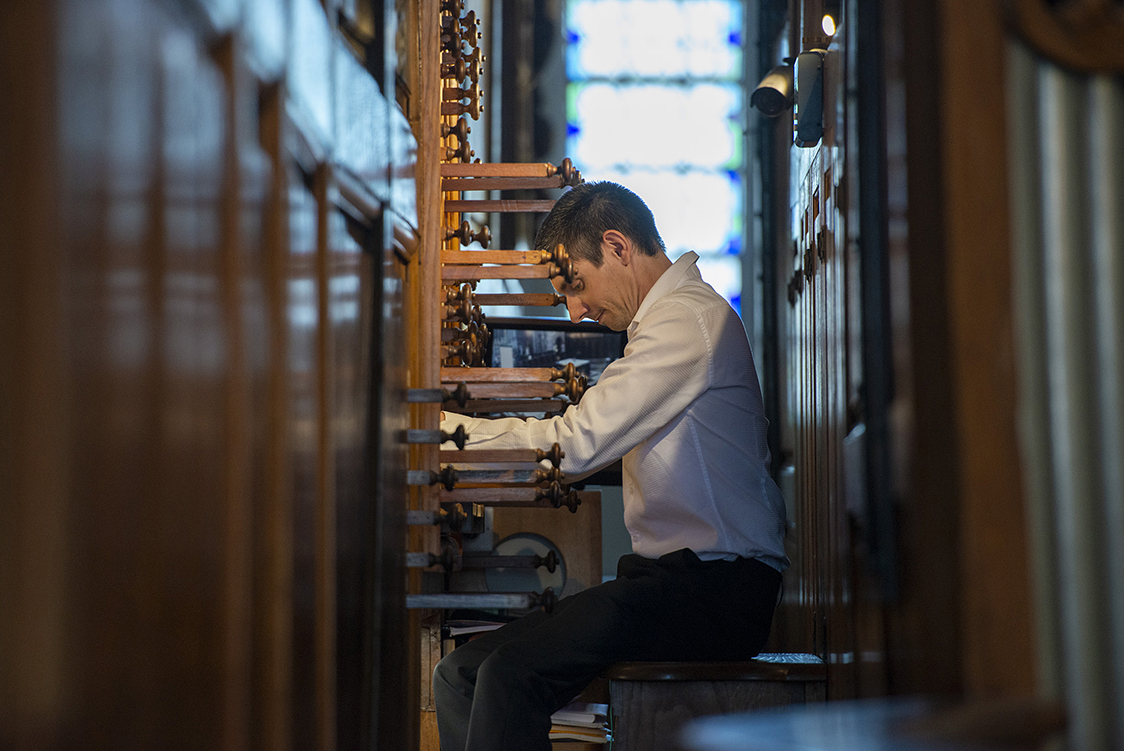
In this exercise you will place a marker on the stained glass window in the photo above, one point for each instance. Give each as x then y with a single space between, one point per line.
655 102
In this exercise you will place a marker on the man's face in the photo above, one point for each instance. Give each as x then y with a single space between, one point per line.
597 293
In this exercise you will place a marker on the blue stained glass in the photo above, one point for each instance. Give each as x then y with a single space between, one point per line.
656 103
693 129
695 209
654 38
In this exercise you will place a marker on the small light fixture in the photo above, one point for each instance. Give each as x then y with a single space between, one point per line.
828 25
774 94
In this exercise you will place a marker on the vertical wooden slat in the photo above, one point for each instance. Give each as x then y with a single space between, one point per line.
36 675
238 567
325 556
428 374
996 616
303 455
274 590
425 275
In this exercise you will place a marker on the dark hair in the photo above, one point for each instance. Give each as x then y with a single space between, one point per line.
583 214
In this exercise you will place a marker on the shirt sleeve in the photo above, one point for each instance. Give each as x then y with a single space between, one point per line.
666 366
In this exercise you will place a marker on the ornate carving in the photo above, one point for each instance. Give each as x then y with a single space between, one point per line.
1081 34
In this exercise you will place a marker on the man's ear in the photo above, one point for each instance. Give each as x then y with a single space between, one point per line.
612 241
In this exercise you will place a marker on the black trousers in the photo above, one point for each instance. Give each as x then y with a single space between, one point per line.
497 692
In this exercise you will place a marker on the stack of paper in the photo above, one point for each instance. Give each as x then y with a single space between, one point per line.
581 722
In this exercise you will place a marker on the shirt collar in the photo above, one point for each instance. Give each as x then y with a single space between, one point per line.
669 280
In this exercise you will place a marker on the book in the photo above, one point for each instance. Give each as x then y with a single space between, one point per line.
579 721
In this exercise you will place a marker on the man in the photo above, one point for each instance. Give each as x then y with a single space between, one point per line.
683 408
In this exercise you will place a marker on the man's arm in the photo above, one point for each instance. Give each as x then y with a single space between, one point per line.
666 366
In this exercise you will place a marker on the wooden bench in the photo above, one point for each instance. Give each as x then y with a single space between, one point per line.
650 701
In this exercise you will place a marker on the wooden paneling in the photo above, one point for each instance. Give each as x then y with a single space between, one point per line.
997 616
924 594
190 349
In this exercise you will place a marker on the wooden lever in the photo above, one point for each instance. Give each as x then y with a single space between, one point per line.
498 477
512 169
465 234
438 396
554 496
458 436
530 299
509 375
572 389
558 256
500 456
509 183
539 271
502 206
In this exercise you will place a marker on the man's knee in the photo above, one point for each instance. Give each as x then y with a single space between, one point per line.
510 670
449 674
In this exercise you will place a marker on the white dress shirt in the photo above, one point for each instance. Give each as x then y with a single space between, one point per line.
683 408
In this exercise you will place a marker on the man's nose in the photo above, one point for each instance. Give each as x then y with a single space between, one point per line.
576 309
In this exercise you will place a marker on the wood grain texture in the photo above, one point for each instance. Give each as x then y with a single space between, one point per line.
647 715
577 536
996 617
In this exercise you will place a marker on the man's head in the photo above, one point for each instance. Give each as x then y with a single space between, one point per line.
617 253
581 216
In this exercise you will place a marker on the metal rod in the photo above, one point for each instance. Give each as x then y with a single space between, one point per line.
458 436
484 601
421 560
448 477
438 396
